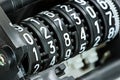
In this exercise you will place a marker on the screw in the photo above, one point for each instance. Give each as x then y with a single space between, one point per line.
2 60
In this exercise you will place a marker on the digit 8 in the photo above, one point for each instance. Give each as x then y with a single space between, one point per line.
107 17
61 31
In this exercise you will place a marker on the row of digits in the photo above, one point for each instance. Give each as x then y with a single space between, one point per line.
65 31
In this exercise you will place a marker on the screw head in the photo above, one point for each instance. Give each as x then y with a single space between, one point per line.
2 60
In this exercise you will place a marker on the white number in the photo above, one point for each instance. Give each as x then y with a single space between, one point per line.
76 18
53 61
36 67
67 39
28 39
59 22
97 26
103 4
82 2
97 39
111 32
43 29
66 8
48 13
33 20
52 46
83 36
36 56
83 47
109 13
67 54
91 11
18 28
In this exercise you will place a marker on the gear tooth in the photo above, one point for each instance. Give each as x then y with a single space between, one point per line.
101 27
87 42
78 14
57 55
37 18
27 19
66 25
42 21
73 9
41 13
45 60
36 39
116 15
70 26
51 33
32 18
100 20
62 19
52 11
102 34
85 28
87 35
83 20
42 61
55 40
97 13
57 47
31 33
39 47
72 47
70 33
58 5
47 26
41 55
57 14
26 28
73 33
92 6
68 5
44 54
72 40
87 2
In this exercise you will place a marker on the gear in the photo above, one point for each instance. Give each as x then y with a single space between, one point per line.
116 15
